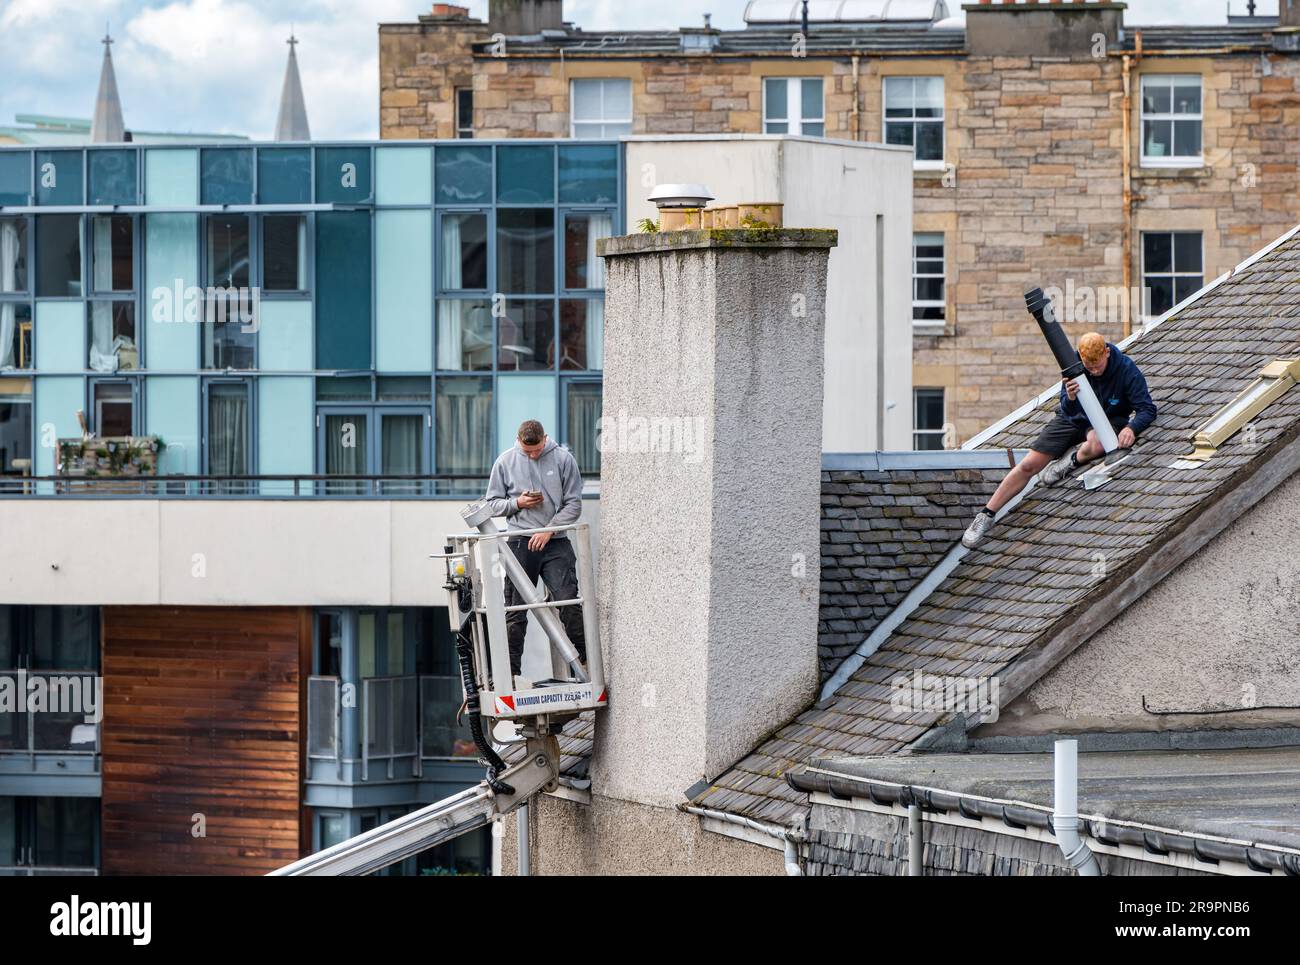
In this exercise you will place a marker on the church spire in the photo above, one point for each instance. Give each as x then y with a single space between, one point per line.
107 126
291 125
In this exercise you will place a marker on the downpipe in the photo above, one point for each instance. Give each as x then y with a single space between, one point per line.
1065 811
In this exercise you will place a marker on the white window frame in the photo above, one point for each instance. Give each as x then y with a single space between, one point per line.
885 121
917 433
1174 160
1147 315
605 120
930 323
794 119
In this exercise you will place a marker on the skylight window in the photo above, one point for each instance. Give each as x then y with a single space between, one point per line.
1274 379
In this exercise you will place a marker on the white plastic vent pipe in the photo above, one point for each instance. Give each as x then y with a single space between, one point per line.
1065 813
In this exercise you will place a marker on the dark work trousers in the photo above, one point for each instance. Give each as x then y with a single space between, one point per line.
558 568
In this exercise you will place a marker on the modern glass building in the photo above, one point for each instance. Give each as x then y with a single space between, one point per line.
340 309
347 330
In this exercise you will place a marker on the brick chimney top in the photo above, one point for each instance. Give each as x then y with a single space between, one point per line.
449 11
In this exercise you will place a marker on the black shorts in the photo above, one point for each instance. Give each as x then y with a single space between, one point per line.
1061 435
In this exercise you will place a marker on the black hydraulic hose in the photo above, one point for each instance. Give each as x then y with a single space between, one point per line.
490 758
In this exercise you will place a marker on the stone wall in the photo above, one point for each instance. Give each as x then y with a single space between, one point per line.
1032 194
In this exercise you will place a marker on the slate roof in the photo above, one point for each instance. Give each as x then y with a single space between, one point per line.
882 531
873 38
1033 573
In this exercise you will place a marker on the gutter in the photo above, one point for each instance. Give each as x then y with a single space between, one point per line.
1017 816
790 838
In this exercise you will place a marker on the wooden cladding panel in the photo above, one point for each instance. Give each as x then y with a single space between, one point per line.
203 714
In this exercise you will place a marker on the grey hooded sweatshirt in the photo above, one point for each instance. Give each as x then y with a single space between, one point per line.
554 473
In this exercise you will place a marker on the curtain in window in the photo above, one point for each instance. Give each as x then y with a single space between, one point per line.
451 253
9 252
598 226
402 447
450 329
596 335
584 416
227 430
465 430
346 452
103 353
402 451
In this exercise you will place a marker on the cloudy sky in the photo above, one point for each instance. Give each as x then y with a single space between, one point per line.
217 65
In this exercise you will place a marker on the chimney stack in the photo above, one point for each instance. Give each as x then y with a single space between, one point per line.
710 499
1288 13
522 18
1052 28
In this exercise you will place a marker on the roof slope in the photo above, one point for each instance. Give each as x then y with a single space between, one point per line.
1033 573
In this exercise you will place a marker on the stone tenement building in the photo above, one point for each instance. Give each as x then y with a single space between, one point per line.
1056 144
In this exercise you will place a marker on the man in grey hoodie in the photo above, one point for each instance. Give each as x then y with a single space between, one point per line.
536 483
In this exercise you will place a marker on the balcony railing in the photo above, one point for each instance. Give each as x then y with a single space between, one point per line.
401 717
59 722
35 871
317 486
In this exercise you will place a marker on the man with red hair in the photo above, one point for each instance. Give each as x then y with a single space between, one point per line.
1122 391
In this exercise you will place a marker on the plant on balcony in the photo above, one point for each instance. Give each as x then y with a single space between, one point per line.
110 456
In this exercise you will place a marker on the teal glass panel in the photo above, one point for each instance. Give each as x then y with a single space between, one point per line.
283 175
15 177
227 176
343 282
113 177
343 388
171 176
343 174
463 175
57 400
403 175
173 303
526 174
589 174
58 177
286 430
404 290
172 412
284 338
522 397
60 336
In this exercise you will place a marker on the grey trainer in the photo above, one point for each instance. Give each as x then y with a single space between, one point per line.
976 530
1056 470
